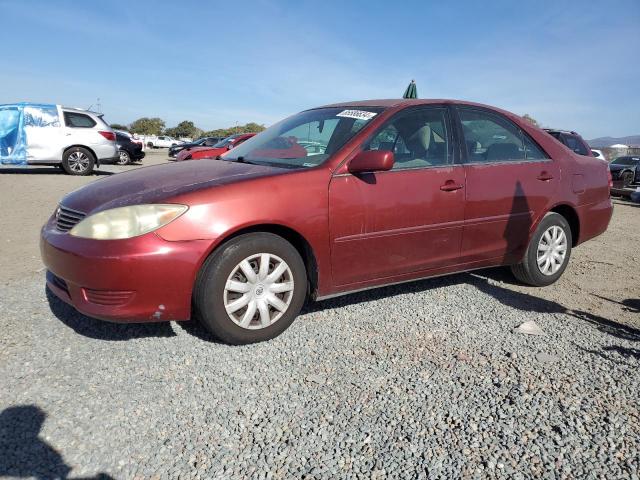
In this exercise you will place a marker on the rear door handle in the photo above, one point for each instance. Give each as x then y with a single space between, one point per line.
450 186
545 177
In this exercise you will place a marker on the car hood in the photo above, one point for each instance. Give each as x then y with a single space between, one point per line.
183 145
160 183
617 168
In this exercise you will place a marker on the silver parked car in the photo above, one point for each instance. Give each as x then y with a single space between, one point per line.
42 134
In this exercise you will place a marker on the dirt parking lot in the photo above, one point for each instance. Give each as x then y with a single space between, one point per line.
427 379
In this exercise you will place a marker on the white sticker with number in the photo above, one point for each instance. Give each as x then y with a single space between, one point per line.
357 114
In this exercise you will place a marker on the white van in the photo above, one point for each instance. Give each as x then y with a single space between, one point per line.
42 134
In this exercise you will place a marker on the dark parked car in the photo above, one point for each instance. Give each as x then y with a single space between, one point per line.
128 149
625 171
572 140
201 142
399 190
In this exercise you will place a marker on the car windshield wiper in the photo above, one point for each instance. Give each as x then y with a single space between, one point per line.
239 159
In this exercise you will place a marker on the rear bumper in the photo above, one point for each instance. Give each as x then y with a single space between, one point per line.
138 155
594 219
143 279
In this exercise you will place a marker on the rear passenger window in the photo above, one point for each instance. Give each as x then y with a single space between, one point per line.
490 138
575 144
78 120
417 139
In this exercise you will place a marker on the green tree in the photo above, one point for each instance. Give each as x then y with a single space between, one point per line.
119 126
251 127
530 119
147 126
185 128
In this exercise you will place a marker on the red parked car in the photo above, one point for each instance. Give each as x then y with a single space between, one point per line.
196 153
328 201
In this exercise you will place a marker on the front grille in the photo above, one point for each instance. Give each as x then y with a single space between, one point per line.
67 218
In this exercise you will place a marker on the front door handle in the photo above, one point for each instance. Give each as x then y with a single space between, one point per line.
450 186
545 177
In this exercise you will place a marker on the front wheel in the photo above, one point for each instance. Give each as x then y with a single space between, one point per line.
252 289
78 161
627 179
548 253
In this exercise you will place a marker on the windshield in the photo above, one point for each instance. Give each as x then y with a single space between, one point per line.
225 142
626 161
306 139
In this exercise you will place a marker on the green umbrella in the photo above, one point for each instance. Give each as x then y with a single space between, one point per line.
411 91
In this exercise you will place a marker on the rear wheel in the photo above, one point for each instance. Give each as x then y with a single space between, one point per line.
124 158
252 289
78 161
547 255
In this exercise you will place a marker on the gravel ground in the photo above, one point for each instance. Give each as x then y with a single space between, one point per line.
426 380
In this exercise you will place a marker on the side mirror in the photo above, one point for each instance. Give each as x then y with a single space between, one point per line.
230 146
372 161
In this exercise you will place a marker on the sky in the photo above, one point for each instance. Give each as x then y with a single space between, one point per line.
569 64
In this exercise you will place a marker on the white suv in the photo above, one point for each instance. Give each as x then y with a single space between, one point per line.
41 134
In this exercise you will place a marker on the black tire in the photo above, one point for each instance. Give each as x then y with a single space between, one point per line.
124 158
150 144
78 161
209 292
527 271
627 179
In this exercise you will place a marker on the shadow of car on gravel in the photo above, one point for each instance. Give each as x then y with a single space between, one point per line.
101 330
24 453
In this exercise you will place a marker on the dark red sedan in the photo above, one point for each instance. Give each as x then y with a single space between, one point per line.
328 201
224 145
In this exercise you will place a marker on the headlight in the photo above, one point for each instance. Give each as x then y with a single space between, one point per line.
127 222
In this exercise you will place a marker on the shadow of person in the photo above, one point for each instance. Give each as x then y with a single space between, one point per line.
23 453
516 231
101 330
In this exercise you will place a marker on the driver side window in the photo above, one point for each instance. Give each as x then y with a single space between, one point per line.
418 139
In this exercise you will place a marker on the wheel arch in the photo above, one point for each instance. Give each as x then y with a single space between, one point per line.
95 157
571 216
299 242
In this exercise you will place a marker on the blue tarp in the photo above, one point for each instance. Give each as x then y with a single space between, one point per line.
17 120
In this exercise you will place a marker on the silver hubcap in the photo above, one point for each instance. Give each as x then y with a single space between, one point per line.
124 157
552 250
258 291
78 162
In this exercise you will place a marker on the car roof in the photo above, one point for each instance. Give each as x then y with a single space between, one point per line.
408 102
81 110
396 102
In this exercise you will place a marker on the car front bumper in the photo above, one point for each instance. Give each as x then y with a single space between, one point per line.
142 279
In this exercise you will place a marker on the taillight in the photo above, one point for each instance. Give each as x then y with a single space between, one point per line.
610 178
108 135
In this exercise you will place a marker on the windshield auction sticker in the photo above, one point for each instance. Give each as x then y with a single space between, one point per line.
357 114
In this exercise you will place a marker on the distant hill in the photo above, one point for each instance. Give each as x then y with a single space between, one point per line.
608 141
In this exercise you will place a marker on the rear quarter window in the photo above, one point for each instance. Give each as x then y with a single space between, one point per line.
78 120
576 144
